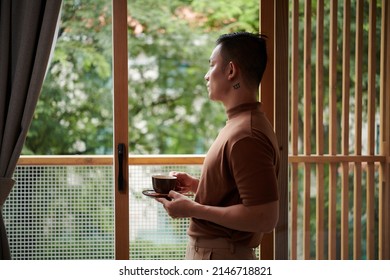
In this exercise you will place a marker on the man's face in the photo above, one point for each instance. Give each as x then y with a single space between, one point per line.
216 77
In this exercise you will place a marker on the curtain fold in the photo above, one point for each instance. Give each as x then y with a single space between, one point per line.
6 185
27 31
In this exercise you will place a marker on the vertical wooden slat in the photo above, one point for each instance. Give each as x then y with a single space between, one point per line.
120 126
345 129
371 133
307 127
357 196
386 144
294 126
281 124
332 130
384 195
382 126
267 27
320 205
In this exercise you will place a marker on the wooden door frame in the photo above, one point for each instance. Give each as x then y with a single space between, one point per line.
274 24
274 96
120 100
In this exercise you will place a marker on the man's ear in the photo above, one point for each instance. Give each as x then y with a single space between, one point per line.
232 70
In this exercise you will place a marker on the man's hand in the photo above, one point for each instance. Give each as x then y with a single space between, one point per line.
180 206
185 182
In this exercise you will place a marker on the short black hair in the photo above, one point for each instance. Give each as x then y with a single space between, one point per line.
248 50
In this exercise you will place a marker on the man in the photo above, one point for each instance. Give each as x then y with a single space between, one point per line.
236 197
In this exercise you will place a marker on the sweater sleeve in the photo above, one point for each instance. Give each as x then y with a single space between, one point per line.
253 167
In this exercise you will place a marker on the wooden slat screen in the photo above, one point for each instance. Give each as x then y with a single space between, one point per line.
335 112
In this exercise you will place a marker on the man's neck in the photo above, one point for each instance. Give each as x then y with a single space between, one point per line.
238 97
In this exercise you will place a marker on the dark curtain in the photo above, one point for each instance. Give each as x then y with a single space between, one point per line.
27 31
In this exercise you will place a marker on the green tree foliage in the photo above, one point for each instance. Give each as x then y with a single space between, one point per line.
169 46
74 113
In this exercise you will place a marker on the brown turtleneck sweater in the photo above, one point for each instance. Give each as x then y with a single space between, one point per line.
241 167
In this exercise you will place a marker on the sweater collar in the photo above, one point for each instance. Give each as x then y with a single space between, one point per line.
232 112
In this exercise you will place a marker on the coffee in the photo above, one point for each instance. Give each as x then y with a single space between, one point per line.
163 183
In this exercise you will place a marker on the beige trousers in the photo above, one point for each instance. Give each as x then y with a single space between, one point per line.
217 249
